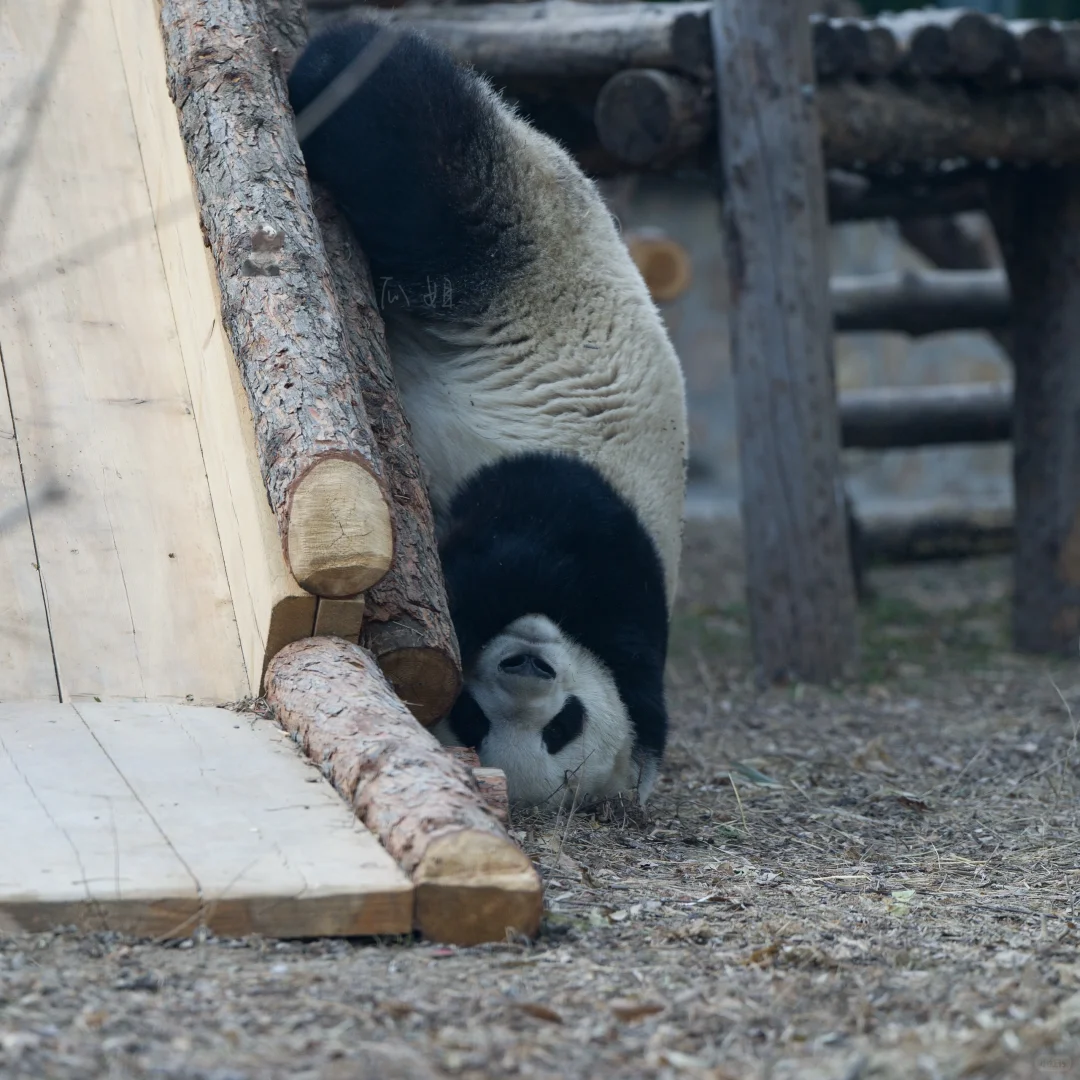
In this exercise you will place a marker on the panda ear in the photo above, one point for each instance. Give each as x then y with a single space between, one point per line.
468 721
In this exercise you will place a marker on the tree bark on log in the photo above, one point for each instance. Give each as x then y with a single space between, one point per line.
491 783
473 883
564 38
888 418
645 116
920 302
801 594
868 125
937 533
407 622
316 450
1038 221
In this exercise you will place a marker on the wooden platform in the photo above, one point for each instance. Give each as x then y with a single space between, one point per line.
141 573
155 819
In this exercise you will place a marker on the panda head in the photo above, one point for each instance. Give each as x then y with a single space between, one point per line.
548 712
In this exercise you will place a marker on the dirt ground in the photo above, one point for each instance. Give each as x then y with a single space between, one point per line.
876 880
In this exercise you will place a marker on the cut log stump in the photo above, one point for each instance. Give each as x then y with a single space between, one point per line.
473 883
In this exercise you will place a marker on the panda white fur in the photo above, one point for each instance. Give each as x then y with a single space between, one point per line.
546 404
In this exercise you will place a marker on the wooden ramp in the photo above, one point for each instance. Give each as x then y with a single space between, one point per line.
141 573
154 819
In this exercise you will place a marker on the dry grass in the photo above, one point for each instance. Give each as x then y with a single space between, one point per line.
877 880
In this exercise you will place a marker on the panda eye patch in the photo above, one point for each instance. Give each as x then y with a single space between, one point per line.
565 727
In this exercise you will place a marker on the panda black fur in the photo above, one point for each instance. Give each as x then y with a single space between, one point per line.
546 404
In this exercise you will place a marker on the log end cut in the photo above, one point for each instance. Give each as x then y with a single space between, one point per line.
340 540
474 887
426 679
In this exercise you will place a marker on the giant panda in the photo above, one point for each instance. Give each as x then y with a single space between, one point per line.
546 404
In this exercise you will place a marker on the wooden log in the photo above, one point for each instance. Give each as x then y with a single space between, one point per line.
800 587
952 41
491 783
1038 224
883 124
1049 50
921 301
644 116
908 195
407 622
472 882
316 450
936 532
407 618
891 418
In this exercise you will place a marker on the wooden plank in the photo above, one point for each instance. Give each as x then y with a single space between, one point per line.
271 608
800 587
133 568
85 852
27 669
188 816
340 618
274 849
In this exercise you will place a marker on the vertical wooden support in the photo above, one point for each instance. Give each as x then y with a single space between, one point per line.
1038 222
800 591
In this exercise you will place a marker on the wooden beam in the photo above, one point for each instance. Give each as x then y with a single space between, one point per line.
936 532
316 450
801 594
867 125
182 817
1038 223
920 302
890 418
270 606
473 883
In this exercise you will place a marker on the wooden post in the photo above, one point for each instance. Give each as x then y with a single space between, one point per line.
800 590
1038 221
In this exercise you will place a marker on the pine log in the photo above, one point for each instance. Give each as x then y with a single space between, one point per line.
490 782
907 195
920 302
645 116
1038 224
406 620
316 449
1049 50
891 418
407 623
800 588
937 532
953 41
473 883
866 125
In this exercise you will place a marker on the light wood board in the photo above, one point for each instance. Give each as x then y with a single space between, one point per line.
26 660
133 573
271 608
156 819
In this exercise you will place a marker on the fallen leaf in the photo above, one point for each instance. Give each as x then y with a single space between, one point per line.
629 1011
913 803
541 1012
